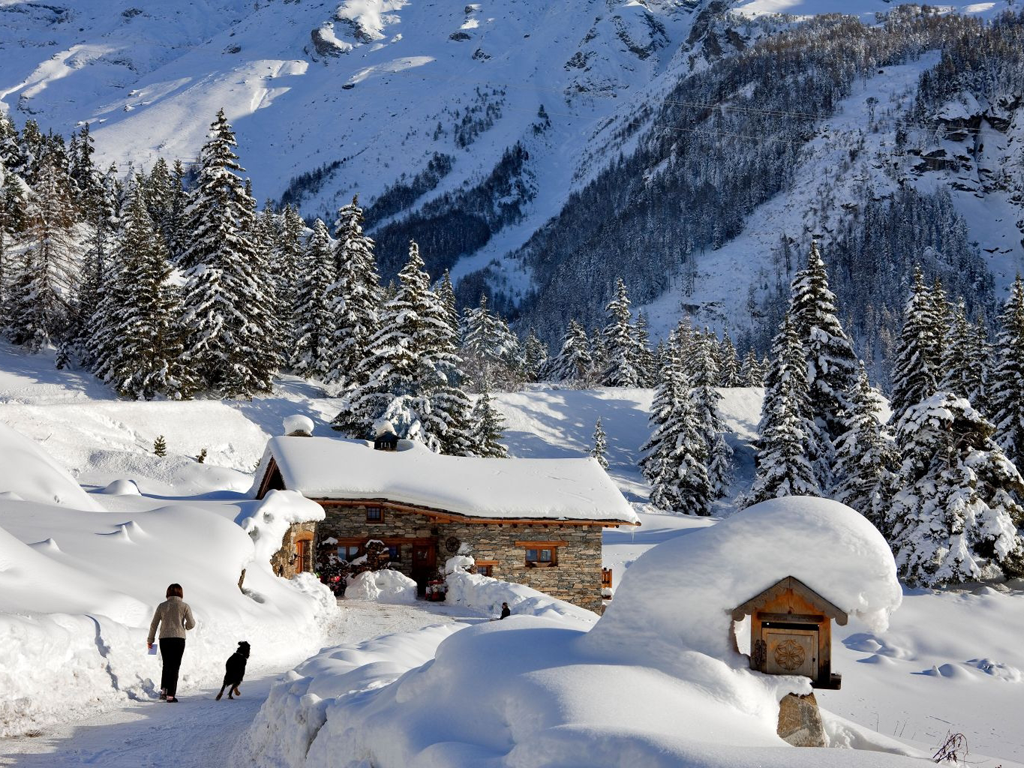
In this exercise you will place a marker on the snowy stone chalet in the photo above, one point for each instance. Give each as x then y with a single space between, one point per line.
532 521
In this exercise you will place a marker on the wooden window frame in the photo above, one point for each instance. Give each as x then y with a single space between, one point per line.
375 521
486 567
539 547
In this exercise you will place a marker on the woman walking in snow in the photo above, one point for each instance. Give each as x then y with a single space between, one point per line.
174 617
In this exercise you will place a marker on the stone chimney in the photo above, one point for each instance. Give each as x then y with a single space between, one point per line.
298 426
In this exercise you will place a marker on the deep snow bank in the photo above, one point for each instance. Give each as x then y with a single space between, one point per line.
78 587
643 687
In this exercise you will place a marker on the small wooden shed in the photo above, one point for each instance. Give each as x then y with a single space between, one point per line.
791 632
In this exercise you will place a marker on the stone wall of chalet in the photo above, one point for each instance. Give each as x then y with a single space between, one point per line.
575 578
282 562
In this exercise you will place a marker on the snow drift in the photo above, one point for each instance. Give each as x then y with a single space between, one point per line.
656 682
78 587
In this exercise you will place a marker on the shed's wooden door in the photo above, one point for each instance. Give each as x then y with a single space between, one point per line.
302 556
792 652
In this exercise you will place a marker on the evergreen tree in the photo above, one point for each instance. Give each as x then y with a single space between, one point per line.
620 342
535 357
411 371
1007 399
783 461
865 454
600 449
356 298
646 363
831 362
681 482
955 518
488 429
232 344
142 356
750 374
964 359
490 351
160 446
915 374
314 318
729 364
574 364
446 295
705 375
287 264
46 274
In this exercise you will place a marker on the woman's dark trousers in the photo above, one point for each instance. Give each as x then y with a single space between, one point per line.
171 649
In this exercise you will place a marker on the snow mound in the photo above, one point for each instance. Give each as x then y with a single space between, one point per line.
381 586
31 474
122 488
679 594
486 595
268 521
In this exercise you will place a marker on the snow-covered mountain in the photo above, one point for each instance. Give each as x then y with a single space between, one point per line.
470 126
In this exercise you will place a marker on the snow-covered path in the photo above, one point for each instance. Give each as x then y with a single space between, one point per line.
201 731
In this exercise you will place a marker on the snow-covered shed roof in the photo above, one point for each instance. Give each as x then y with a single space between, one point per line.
507 489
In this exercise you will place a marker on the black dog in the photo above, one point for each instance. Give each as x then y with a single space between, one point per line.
234 671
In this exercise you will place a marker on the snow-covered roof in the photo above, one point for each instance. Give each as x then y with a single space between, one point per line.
522 489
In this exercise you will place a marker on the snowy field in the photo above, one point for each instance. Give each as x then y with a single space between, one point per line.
949 661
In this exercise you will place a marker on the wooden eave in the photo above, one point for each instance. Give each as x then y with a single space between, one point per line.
444 516
776 591
267 477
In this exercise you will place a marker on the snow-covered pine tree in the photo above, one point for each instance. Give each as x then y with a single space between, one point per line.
287 253
600 449
620 342
231 345
488 429
704 378
729 363
175 226
491 353
574 364
314 317
750 374
955 518
783 461
866 456
646 363
142 357
916 365
535 357
670 376
446 295
356 298
831 362
1007 397
411 371
46 274
682 483
964 361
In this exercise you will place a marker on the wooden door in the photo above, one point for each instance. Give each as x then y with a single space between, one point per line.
424 563
791 652
301 556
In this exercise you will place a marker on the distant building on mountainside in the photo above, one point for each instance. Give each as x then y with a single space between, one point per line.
531 521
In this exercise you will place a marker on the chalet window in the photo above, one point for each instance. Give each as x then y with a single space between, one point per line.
348 553
375 514
395 553
541 557
485 567
541 554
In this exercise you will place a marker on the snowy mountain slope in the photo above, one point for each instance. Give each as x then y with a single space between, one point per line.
416 105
